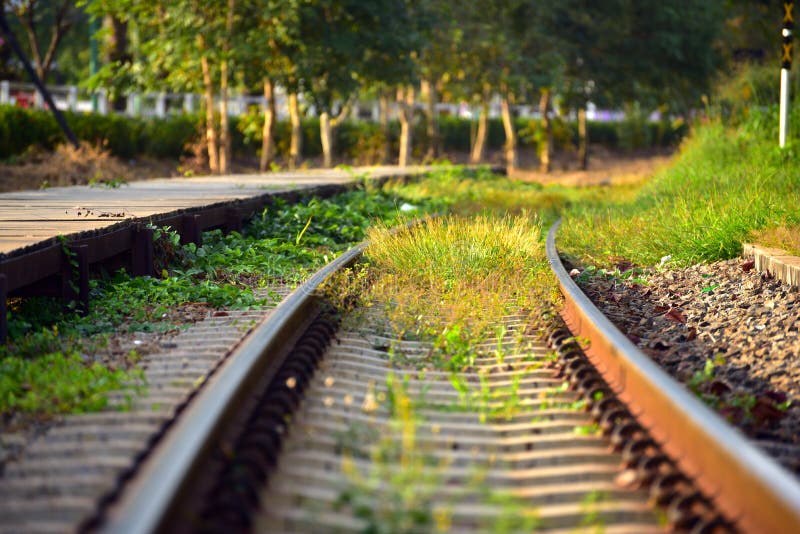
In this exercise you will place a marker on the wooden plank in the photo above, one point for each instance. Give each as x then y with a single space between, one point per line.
31 217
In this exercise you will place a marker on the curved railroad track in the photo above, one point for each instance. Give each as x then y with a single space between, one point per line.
297 430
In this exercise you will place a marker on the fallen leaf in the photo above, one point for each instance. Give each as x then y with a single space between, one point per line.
774 395
765 410
660 345
674 314
661 309
691 335
719 387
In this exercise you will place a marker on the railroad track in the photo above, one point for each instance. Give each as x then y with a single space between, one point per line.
314 426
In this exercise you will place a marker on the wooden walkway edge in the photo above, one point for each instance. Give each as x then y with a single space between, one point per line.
50 239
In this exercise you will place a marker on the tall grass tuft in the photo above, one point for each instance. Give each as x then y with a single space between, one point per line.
460 271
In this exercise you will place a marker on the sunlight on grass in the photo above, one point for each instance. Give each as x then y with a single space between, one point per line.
782 237
459 271
725 184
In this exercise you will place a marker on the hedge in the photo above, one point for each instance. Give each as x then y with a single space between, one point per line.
124 137
128 137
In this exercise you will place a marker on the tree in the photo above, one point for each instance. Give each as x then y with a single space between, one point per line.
45 25
347 43
185 45
273 45
624 51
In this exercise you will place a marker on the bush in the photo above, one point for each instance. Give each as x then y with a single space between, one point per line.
124 137
361 142
22 128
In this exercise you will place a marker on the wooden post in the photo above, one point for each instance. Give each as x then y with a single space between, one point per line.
142 253
233 220
190 230
3 308
75 276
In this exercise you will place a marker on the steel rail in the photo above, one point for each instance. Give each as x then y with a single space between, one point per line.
151 497
749 488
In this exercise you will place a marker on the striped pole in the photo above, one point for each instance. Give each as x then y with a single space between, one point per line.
786 65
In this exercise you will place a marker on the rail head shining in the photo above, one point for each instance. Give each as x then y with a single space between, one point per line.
750 488
149 498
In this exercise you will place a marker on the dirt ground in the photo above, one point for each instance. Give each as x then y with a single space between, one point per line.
89 165
605 167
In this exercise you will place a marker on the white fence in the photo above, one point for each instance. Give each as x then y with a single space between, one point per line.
162 104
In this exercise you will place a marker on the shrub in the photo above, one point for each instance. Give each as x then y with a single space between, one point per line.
128 137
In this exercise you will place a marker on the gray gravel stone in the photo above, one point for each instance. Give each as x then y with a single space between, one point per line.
743 323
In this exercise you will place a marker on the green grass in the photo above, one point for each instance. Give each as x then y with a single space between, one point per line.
454 277
282 245
55 383
726 184
479 191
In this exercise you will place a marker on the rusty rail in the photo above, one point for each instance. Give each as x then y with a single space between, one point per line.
166 477
750 489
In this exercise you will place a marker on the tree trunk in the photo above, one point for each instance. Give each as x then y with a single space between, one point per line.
224 126
583 140
405 98
326 136
546 143
479 148
211 129
268 132
327 129
511 136
296 144
117 52
386 145
432 118
60 25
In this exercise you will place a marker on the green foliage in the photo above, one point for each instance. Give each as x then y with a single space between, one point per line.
125 137
725 184
22 128
748 86
128 137
55 383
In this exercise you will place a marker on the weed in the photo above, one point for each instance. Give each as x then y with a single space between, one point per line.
591 516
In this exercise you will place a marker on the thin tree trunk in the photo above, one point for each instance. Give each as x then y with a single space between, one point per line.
211 130
327 129
296 143
326 136
432 118
386 146
511 136
583 140
268 132
117 52
224 126
405 98
546 144
479 148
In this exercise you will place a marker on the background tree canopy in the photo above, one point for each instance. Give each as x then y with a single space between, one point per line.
554 54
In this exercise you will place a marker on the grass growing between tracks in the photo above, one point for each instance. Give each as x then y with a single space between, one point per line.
451 282
454 277
727 186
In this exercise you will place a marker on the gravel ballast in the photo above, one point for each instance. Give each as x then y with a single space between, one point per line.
728 332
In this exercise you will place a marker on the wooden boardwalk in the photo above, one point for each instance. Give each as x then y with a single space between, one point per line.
31 217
